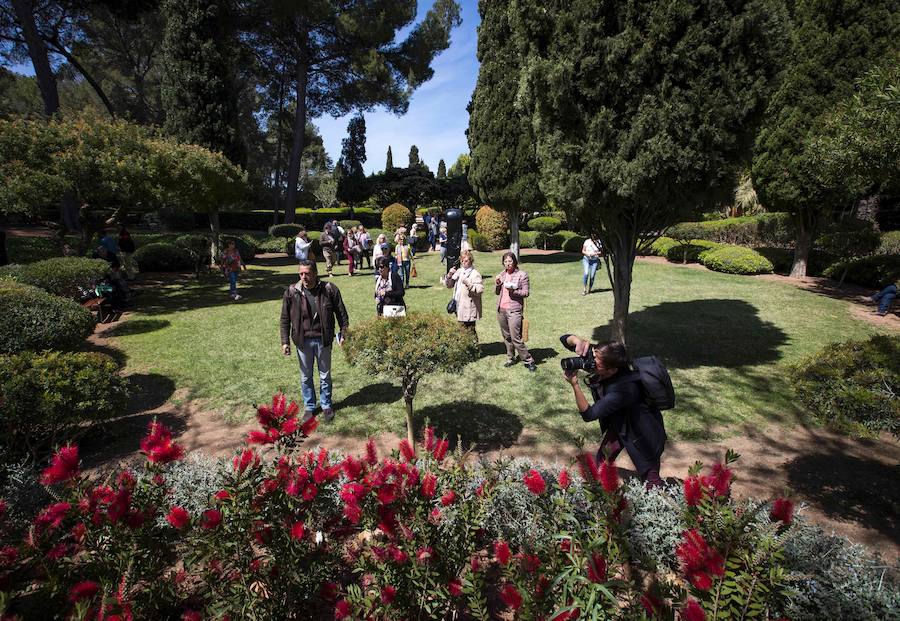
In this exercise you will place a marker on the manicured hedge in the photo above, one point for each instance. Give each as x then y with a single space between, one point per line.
478 241
34 319
63 276
162 257
660 246
394 216
574 243
493 225
689 253
766 229
349 223
285 230
873 272
527 239
735 260
47 399
31 249
853 385
545 224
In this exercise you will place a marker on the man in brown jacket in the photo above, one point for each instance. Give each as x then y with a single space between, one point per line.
309 309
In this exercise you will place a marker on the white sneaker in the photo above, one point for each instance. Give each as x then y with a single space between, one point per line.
236 297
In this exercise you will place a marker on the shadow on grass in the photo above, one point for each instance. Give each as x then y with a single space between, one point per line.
497 348
689 334
137 326
383 392
148 391
555 258
119 438
479 426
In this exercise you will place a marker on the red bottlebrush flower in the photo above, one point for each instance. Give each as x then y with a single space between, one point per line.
310 492
406 451
158 480
651 604
699 560
424 554
387 493
693 611
342 610
63 466
782 511
191 615
565 545
309 426
501 552
8 556
158 446
178 517
352 492
588 467
510 596
292 487
440 449
429 485
531 562
564 479
83 590
429 438
134 519
693 491
78 532
288 427
52 516
320 475
298 529
388 593
398 555
57 552
609 476
448 498
246 459
455 587
222 494
719 482
329 591
261 437
534 482
474 564
596 568
352 467
211 519
352 512
4 508
371 452
435 516
479 491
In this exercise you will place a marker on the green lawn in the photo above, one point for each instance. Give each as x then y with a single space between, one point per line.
725 339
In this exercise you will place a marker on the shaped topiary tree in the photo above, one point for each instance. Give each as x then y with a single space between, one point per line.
394 216
493 225
546 225
408 348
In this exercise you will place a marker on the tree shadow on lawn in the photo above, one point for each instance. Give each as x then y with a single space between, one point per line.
119 438
382 392
148 391
497 348
690 334
479 426
136 326
552 259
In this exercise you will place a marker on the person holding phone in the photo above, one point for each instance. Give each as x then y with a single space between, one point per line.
512 286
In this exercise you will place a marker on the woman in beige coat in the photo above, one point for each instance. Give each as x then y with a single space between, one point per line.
467 288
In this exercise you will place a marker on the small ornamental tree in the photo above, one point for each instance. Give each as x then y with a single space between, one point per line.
394 216
546 225
493 225
408 348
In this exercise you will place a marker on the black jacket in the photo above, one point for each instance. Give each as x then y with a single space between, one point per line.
331 306
394 297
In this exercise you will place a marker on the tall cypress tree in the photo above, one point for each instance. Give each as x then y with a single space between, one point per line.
390 160
503 171
834 43
442 170
414 161
353 154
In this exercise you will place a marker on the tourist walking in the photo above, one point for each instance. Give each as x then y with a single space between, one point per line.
310 309
302 244
591 252
388 286
467 286
403 256
231 264
378 246
365 246
512 286
351 249
328 244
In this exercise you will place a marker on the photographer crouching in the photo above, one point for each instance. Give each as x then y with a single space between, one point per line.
629 417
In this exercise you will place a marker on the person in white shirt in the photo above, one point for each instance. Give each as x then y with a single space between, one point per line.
591 252
301 245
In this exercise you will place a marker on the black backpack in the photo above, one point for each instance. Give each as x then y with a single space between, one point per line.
657 384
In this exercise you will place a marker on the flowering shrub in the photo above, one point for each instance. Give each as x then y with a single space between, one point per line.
293 533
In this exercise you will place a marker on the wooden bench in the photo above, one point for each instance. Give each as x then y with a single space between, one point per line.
99 307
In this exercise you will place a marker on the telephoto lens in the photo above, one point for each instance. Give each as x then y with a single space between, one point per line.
579 363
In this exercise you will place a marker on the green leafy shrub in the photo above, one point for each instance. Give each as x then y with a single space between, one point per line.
873 272
285 230
528 239
478 241
735 260
493 225
889 243
199 248
853 385
349 223
63 276
31 249
245 244
163 257
143 239
394 216
545 224
50 398
574 243
660 246
765 229
275 245
34 319
689 252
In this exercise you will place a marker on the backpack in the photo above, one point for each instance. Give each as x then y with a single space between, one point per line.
656 382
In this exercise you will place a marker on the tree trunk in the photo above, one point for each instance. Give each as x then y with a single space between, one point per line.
69 212
514 232
290 201
214 227
4 258
805 232
409 420
37 51
62 51
278 144
622 256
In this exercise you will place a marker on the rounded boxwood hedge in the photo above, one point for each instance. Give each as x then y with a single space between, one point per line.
394 216
285 230
735 260
690 252
478 241
63 276
574 243
493 225
162 257
545 224
34 319
873 272
46 398
660 246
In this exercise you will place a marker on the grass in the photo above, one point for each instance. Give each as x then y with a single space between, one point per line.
725 339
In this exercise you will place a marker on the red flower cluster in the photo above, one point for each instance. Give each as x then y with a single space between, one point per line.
158 445
596 568
279 420
564 479
211 519
178 517
510 596
699 561
782 511
455 587
388 593
501 551
609 476
693 611
247 459
448 498
407 451
83 590
588 467
63 466
717 484
535 482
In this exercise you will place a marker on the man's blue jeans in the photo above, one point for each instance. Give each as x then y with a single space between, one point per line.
886 297
314 350
403 271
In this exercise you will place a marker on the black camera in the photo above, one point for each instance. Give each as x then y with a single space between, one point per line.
585 363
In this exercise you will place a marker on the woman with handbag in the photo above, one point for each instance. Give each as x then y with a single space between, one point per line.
512 286
467 286
388 286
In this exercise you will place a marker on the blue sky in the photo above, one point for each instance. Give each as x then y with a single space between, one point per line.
437 119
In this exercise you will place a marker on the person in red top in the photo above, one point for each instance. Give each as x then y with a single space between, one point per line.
231 264
512 286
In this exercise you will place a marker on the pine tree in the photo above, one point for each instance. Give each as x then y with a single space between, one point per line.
442 170
390 160
414 161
